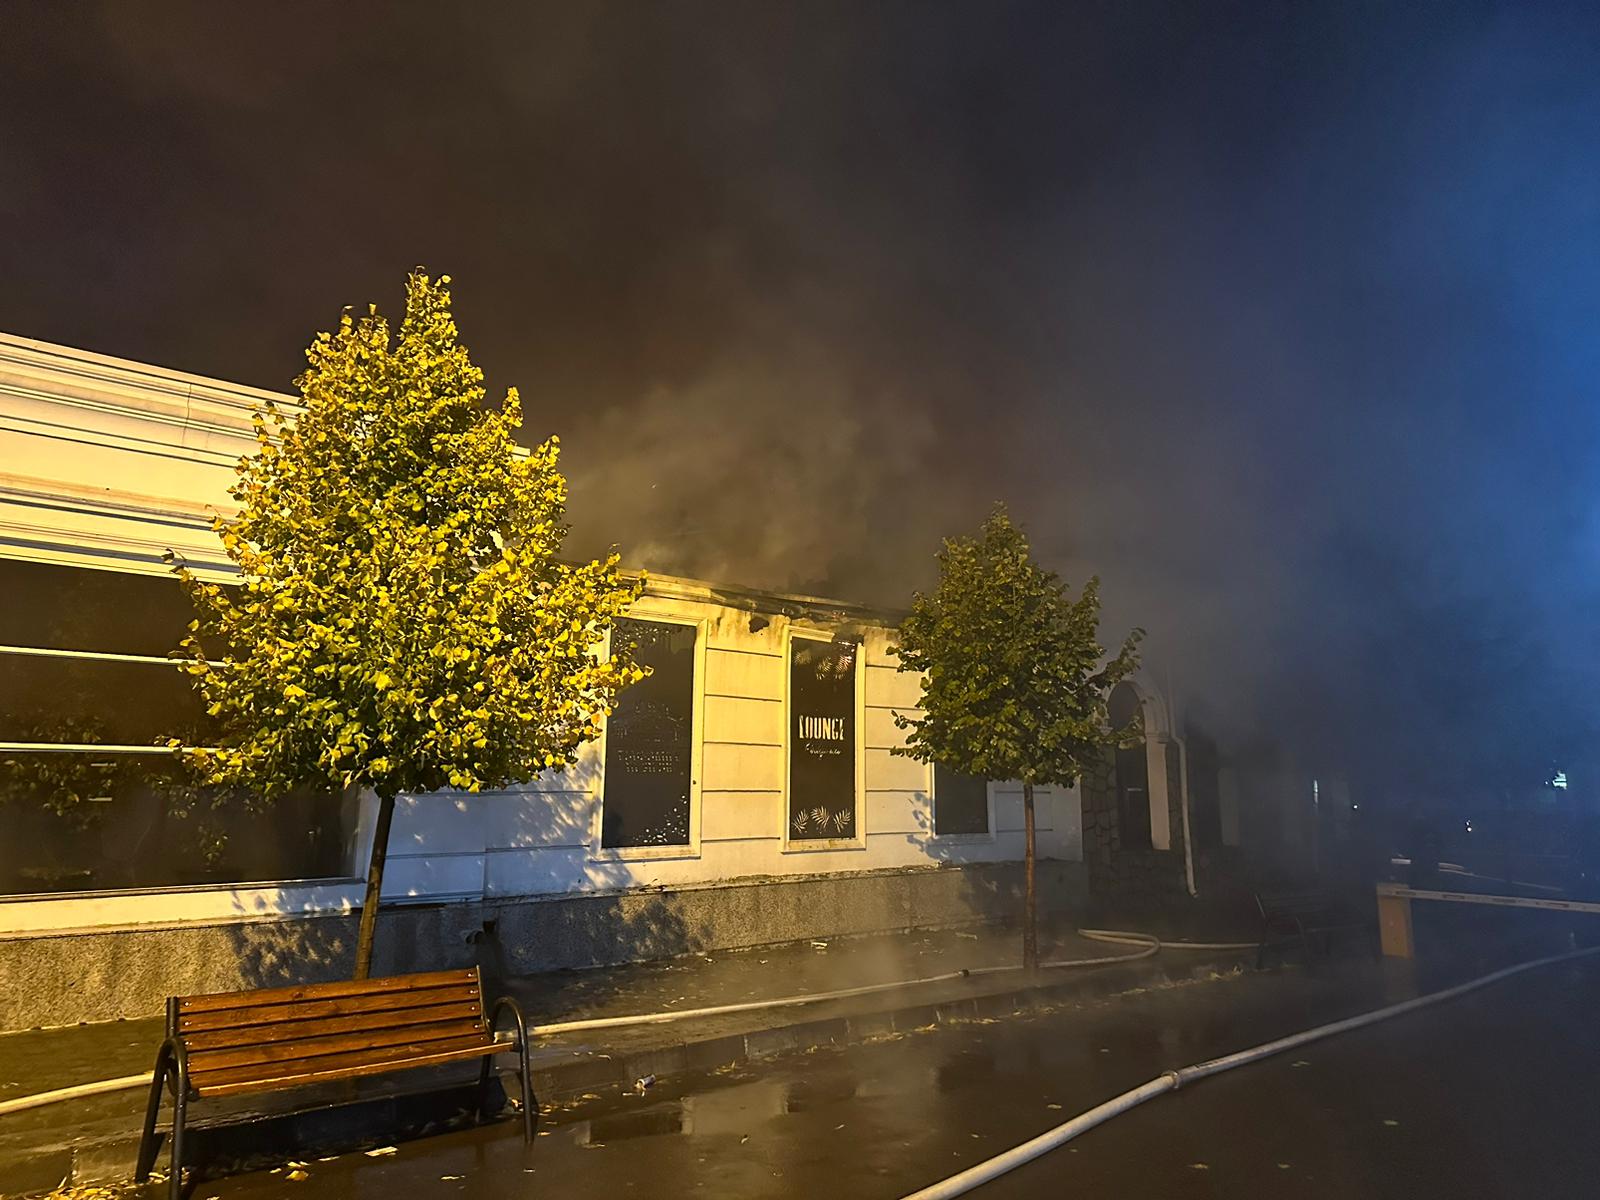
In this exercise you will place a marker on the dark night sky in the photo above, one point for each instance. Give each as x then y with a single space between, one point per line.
1281 317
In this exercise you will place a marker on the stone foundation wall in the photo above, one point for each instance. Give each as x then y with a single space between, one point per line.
1134 876
61 978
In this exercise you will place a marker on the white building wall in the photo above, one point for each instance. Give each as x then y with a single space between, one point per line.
543 838
106 463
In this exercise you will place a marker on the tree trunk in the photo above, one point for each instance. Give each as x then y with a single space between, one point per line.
1030 904
369 906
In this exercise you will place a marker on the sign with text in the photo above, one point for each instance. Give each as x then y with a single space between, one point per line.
822 740
649 741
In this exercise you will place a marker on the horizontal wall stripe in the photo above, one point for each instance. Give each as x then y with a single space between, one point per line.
724 648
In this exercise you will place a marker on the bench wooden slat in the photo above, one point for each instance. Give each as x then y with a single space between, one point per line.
288 1031
274 1039
205 1061
324 991
295 1072
241 1017
329 1075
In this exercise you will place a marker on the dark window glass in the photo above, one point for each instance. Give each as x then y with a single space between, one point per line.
1132 773
822 740
74 822
960 802
134 825
650 741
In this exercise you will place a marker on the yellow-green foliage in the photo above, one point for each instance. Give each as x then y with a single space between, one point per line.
1015 682
403 621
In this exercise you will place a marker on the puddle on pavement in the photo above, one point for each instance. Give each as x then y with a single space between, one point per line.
807 1095
734 1109
657 1121
963 1070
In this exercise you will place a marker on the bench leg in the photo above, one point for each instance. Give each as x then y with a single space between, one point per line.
483 1088
530 1105
180 1106
148 1141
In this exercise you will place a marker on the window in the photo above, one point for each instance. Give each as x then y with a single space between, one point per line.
1131 772
960 803
102 821
649 749
822 740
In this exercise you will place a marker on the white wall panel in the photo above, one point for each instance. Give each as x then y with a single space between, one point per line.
729 673
887 771
879 730
527 819
742 768
899 812
748 722
889 687
726 816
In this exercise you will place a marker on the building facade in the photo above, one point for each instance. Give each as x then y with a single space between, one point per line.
746 793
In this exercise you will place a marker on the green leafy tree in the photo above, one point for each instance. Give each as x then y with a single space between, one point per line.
403 622
1015 682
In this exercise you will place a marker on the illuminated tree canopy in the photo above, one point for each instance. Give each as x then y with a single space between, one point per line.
404 623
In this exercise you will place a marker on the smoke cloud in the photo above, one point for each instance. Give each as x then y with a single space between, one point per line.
1279 319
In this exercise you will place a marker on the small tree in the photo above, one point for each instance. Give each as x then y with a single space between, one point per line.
1014 681
403 623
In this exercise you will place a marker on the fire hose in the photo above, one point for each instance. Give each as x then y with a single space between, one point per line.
1170 1081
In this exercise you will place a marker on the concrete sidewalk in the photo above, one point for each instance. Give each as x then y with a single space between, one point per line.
94 1140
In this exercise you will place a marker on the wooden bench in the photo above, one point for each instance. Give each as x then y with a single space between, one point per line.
1302 916
237 1043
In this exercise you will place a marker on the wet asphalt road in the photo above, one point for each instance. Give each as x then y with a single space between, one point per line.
1489 1096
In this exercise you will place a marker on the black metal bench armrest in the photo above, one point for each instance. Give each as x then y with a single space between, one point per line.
507 1004
530 1103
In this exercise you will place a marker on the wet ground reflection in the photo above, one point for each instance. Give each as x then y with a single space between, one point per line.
880 1120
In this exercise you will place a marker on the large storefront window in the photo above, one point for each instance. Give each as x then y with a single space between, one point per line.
91 821
960 803
822 740
650 741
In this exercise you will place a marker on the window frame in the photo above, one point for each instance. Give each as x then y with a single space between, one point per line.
790 845
956 839
598 852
